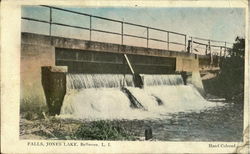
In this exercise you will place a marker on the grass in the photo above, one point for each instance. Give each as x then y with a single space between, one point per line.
32 108
34 117
103 130
68 129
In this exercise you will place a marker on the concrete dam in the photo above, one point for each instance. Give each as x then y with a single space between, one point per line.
84 79
87 79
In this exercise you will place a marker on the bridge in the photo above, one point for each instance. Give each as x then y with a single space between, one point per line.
92 53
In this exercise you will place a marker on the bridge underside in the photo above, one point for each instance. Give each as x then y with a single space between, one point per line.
82 61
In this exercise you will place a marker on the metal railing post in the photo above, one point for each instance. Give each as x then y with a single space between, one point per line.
225 48
50 20
191 46
122 33
147 36
90 27
210 51
185 43
225 52
219 59
206 49
220 51
209 47
168 39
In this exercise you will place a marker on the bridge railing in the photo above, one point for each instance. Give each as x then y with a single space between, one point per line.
210 47
185 44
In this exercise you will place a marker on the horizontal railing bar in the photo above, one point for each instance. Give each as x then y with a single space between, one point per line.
54 23
210 45
106 18
199 43
32 19
129 35
75 12
80 13
153 39
128 23
152 28
177 43
222 47
199 47
198 38
167 31
103 31
229 42
217 46
60 24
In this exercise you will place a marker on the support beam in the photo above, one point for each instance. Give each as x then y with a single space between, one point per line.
129 64
136 77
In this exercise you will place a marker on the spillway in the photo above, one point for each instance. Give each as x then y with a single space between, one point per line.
83 81
114 96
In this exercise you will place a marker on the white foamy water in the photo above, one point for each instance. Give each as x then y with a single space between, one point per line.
101 103
174 98
101 97
180 98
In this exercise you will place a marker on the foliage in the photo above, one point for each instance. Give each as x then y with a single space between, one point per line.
231 77
238 49
103 130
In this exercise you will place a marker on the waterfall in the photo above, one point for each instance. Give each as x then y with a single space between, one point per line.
83 81
113 96
156 80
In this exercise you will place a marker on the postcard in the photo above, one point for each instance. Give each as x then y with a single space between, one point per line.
124 77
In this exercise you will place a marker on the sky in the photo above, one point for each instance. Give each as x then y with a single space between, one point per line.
222 24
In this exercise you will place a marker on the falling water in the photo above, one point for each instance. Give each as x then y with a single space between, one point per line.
171 91
156 80
82 81
99 96
96 96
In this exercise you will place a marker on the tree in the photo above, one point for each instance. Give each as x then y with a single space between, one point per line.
231 76
238 49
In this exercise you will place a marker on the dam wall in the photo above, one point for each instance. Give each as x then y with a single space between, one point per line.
81 56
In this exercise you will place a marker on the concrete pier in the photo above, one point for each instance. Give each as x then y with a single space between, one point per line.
54 85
